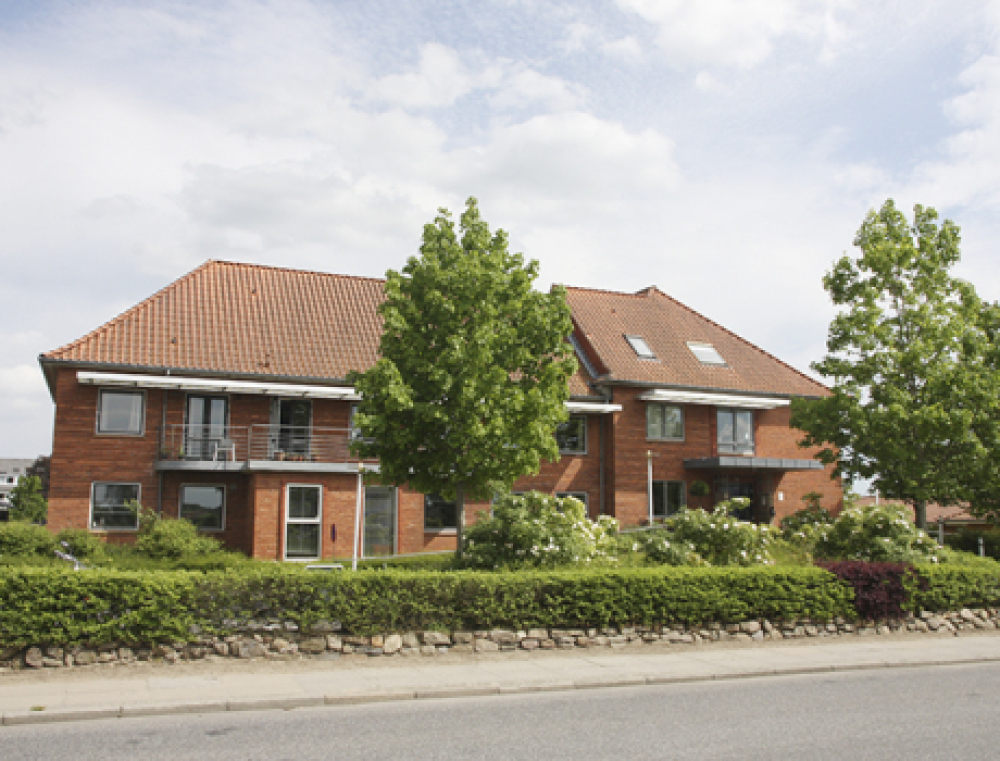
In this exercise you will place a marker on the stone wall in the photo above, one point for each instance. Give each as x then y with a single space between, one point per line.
284 641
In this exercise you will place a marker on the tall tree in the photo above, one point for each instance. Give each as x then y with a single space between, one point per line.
27 502
905 355
471 382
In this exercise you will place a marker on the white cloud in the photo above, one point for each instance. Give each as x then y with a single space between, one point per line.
439 80
627 48
733 32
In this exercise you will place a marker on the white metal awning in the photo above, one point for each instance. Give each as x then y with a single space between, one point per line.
594 408
713 399
218 385
221 386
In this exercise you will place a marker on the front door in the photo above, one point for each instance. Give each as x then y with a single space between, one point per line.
206 426
380 522
738 486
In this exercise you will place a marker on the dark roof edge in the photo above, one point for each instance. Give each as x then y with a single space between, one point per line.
608 381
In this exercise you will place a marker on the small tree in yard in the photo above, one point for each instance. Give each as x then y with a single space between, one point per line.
471 382
912 394
27 502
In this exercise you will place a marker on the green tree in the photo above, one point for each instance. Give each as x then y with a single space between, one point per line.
906 357
471 382
27 502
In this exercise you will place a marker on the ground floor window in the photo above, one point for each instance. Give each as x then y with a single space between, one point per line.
668 498
109 506
439 513
580 495
204 505
303 521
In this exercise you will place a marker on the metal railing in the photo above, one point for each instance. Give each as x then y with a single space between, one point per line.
275 443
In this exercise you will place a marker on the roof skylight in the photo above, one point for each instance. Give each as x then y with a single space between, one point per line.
706 353
639 345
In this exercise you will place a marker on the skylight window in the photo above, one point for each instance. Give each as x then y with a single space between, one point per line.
706 354
639 345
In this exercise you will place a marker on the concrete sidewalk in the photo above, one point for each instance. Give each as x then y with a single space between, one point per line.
150 689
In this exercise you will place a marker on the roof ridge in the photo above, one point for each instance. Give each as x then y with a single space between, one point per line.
637 294
726 330
299 270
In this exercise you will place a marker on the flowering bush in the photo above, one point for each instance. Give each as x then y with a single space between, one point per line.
699 537
538 531
878 533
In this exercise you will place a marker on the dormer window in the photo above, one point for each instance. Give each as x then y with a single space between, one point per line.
706 354
640 347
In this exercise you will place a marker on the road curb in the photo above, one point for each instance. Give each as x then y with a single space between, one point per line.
20 718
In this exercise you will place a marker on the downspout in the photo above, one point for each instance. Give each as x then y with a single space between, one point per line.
602 431
159 448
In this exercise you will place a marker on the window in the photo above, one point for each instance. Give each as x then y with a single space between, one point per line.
735 431
572 435
303 520
668 498
204 506
108 506
580 495
640 347
120 412
706 354
664 421
439 513
206 426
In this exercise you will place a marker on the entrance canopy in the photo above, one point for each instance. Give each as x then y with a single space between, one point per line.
751 463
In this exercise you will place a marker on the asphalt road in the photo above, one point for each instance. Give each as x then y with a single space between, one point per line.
913 713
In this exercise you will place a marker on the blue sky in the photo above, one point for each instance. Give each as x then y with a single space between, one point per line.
725 151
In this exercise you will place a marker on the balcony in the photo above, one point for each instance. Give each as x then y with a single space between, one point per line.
255 447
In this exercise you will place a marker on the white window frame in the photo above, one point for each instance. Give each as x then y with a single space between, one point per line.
678 407
583 451
640 346
706 353
138 498
121 392
318 520
225 502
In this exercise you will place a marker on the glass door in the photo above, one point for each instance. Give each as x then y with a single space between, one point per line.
379 522
293 424
206 426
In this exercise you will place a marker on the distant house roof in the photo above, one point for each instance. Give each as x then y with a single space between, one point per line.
237 319
608 324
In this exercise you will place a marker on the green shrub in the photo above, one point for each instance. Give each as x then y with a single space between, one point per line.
967 540
80 543
535 530
174 539
659 546
877 533
18 539
953 586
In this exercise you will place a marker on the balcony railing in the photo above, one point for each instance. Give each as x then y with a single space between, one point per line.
244 444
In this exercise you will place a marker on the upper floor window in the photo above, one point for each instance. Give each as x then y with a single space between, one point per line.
735 431
640 347
572 435
664 421
706 354
120 412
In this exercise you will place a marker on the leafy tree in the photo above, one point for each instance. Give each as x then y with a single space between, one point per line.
473 369
27 502
906 357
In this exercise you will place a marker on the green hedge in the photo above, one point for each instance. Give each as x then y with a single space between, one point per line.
58 606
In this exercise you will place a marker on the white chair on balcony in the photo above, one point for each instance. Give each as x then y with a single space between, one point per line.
226 447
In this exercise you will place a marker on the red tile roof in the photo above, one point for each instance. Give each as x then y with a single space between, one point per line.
604 318
226 317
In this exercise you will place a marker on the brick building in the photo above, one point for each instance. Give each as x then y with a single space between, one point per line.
222 398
